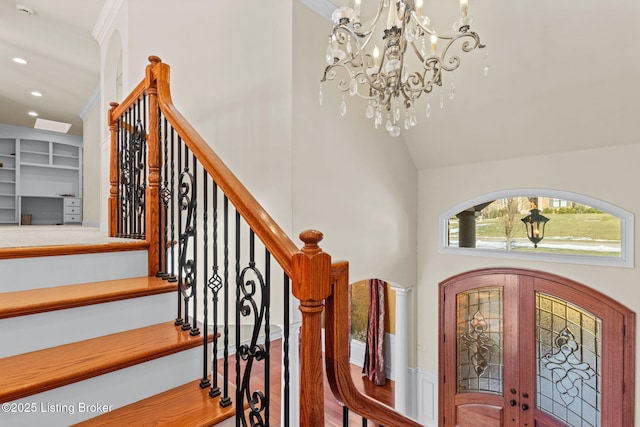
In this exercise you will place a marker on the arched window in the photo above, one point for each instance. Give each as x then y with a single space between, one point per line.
540 224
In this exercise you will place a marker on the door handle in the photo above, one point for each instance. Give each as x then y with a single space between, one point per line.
525 406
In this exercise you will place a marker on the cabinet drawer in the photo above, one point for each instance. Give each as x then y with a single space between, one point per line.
72 218
75 210
72 202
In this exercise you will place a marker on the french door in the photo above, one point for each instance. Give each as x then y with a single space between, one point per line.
526 348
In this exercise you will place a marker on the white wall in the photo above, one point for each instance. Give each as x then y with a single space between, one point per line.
608 174
91 194
354 183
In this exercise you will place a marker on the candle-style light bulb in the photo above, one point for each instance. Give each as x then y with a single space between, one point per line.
434 44
419 7
464 7
356 9
391 18
376 56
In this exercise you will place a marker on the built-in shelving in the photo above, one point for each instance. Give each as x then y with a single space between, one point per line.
8 171
39 172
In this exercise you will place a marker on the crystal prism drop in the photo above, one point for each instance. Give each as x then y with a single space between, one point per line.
353 86
428 110
369 111
394 131
378 119
486 61
343 107
413 120
407 123
329 55
442 100
320 96
452 92
388 125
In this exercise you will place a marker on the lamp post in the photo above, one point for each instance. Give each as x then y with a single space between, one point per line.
534 223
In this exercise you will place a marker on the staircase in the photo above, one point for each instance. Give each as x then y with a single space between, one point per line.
101 352
89 334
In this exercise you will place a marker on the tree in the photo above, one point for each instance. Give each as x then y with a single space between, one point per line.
510 209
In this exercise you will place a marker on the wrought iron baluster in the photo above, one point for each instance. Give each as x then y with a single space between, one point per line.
250 282
285 351
187 267
239 398
172 243
205 383
215 284
162 197
194 324
180 320
266 302
226 400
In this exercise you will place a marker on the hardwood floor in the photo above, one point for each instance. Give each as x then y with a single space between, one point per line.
333 409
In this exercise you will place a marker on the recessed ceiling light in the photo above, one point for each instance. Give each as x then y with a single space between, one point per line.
36 93
20 60
33 114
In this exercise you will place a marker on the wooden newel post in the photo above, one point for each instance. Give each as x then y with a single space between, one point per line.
311 285
152 208
113 173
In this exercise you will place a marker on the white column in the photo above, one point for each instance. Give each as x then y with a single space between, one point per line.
401 350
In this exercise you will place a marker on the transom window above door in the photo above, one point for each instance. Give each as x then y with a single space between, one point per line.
539 224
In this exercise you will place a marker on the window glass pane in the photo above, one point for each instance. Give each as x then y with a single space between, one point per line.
572 228
480 338
568 359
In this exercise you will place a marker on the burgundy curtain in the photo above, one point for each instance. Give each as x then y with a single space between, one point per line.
374 351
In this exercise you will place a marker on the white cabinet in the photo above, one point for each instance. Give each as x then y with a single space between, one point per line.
72 210
41 176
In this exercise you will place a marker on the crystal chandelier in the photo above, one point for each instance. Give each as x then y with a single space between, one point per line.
410 64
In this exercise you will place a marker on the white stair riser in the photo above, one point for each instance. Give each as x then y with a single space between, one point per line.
54 408
43 330
44 272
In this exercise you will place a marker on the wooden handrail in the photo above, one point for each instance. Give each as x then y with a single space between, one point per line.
337 355
275 240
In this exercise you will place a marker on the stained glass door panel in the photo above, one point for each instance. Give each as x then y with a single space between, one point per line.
568 362
479 334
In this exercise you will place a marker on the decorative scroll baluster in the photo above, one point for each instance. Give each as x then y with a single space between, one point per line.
164 198
172 242
187 267
250 286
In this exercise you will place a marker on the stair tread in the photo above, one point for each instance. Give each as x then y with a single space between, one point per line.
30 373
187 405
57 250
20 303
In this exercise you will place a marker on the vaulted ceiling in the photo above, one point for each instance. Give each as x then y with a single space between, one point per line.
563 75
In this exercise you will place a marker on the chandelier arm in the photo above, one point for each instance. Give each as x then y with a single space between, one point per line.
467 46
428 30
368 31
